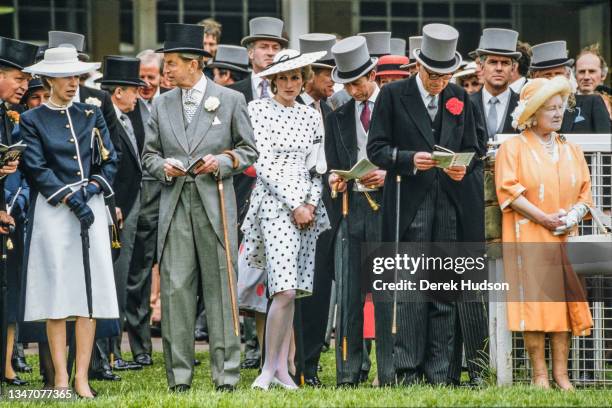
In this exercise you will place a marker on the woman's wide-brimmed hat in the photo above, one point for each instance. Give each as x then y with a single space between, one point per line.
184 38
123 71
468 70
61 62
353 59
288 60
438 52
390 65
534 94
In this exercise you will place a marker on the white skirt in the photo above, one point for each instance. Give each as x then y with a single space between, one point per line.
55 284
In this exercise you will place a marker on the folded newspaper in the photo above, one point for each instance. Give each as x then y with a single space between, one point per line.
447 158
363 167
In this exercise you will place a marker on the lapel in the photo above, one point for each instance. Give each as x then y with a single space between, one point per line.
203 119
512 102
348 130
411 98
127 142
447 120
144 112
478 100
175 117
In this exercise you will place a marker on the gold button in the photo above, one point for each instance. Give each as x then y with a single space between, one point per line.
67 126
71 140
78 173
62 112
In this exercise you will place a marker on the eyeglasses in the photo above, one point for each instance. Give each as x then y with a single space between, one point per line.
433 76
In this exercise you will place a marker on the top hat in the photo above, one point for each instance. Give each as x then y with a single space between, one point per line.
34 85
352 59
319 42
379 43
474 53
265 28
61 62
549 55
398 46
120 70
17 54
187 38
414 42
498 41
231 57
438 52
68 39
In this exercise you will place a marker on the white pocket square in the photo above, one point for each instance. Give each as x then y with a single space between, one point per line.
216 121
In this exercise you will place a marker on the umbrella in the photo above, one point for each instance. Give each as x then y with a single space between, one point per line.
86 267
397 238
342 268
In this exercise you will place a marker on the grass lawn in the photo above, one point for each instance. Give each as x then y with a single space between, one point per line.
148 388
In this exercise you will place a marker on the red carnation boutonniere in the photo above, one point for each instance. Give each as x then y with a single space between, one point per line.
454 106
13 116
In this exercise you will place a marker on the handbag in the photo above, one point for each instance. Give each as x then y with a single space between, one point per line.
591 254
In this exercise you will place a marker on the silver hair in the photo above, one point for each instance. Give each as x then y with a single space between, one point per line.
150 57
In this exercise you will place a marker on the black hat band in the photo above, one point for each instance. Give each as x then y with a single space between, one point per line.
437 64
355 72
549 63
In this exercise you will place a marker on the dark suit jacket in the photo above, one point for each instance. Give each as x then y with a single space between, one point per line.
479 110
139 117
244 87
108 112
588 116
129 174
400 120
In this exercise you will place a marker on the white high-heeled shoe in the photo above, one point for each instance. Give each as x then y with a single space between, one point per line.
257 386
291 387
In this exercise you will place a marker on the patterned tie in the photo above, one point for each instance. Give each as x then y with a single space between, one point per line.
189 105
365 116
492 118
129 129
432 107
316 105
263 85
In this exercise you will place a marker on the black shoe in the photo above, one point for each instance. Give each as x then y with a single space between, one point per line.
314 382
226 388
196 362
251 363
180 388
201 335
144 359
104 375
20 365
122 365
363 376
16 381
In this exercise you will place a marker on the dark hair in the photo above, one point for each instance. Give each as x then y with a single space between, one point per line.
525 61
211 27
235 75
306 75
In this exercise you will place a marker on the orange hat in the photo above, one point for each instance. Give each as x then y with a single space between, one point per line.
390 65
534 94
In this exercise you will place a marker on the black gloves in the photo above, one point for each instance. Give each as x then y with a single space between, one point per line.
77 204
91 190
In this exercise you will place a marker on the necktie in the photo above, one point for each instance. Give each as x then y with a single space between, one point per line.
129 129
492 117
365 116
264 89
189 105
317 105
432 107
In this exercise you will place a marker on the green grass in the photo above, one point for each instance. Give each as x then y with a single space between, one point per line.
148 388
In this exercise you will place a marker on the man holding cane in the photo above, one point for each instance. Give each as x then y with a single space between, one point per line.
197 122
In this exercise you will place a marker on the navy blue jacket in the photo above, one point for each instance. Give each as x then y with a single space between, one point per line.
54 161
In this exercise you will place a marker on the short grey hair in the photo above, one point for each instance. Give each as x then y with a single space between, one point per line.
150 57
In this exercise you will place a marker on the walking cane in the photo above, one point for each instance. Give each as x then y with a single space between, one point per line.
344 274
86 267
3 312
228 259
398 180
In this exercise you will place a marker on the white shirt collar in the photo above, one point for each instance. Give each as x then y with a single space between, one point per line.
503 97
200 86
308 100
117 111
517 85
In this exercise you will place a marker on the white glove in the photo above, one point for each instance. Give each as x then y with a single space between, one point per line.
572 218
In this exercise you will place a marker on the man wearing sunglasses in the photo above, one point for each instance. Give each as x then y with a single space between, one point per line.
411 117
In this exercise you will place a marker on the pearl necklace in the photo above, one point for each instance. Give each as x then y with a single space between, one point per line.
548 145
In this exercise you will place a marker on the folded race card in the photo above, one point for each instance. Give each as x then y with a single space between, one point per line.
447 158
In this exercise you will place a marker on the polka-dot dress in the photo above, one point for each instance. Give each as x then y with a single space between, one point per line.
285 136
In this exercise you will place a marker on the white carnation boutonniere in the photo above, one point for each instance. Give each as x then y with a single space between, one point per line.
93 101
518 111
211 103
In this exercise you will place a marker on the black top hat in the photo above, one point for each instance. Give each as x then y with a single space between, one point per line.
17 54
121 71
186 38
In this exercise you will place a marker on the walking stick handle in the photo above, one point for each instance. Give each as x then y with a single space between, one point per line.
345 203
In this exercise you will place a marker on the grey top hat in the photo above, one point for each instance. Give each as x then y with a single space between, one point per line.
474 54
414 42
265 28
66 38
550 55
438 52
379 43
352 59
231 57
498 41
319 42
398 46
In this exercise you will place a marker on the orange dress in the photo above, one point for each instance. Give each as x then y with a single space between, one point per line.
532 262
